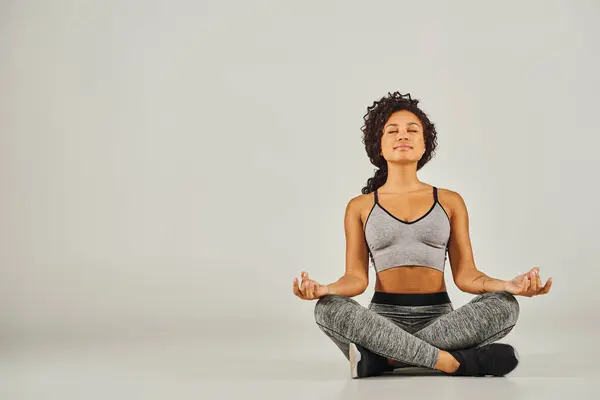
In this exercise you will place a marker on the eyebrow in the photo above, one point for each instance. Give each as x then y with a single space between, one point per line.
409 123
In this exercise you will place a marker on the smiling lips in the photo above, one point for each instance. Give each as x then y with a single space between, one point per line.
403 147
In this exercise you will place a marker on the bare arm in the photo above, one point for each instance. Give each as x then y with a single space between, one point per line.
465 274
356 277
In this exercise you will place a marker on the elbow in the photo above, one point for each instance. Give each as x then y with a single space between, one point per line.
465 286
354 285
464 279
460 284
361 286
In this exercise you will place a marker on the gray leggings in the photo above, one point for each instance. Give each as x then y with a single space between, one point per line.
414 334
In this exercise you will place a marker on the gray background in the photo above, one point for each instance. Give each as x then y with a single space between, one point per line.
167 168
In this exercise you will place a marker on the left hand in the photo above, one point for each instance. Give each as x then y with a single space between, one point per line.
528 284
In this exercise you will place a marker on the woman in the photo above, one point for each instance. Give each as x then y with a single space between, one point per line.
407 229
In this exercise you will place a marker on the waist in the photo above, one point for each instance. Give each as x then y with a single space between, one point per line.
411 299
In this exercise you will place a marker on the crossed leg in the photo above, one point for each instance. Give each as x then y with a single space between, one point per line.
485 319
345 320
488 317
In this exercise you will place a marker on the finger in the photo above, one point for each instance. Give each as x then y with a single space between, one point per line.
301 280
532 274
533 288
535 269
303 288
311 290
527 284
538 280
546 287
297 291
307 289
306 277
539 283
532 283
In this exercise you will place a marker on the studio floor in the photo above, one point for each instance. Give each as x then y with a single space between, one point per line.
290 365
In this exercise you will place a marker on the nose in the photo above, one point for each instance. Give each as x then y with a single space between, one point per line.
401 134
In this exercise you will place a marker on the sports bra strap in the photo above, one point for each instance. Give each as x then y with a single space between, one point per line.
375 196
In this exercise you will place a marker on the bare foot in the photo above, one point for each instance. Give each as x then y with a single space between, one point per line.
446 362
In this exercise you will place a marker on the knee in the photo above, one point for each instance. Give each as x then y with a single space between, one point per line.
511 305
328 306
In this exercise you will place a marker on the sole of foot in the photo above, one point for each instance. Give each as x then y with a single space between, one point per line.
355 357
509 357
517 358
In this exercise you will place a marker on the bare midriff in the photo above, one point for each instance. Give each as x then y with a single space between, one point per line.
410 279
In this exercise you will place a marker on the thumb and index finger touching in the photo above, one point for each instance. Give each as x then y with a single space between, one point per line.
298 285
534 275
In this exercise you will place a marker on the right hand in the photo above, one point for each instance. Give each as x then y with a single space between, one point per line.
310 289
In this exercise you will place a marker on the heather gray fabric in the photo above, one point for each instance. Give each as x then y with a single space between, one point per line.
414 335
394 243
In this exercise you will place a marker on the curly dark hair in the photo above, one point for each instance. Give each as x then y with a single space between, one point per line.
375 119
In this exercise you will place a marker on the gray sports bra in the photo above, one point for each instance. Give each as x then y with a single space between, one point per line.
395 243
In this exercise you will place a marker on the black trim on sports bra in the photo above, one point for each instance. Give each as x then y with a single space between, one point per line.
435 198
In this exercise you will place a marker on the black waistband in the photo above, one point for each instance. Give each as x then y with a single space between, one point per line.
411 299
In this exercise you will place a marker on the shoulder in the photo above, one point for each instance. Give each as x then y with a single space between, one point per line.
359 203
450 195
359 207
451 200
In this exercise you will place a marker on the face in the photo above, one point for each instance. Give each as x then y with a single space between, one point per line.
402 138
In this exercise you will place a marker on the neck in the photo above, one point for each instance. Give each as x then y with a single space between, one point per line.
402 178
